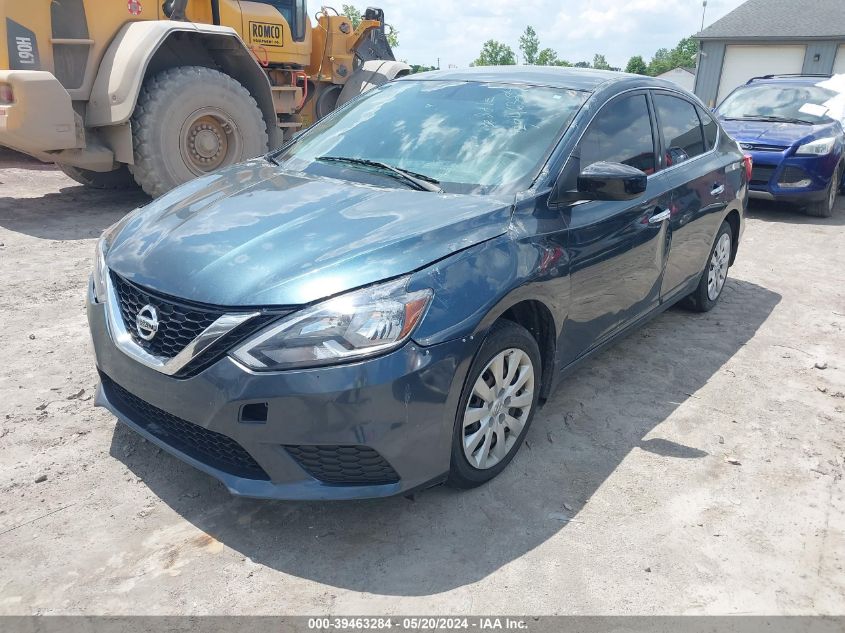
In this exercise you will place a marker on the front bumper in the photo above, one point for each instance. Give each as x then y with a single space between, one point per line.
41 118
401 405
774 172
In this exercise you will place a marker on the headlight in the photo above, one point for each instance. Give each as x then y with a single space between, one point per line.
103 245
821 147
352 326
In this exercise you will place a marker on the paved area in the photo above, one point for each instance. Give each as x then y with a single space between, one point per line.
695 467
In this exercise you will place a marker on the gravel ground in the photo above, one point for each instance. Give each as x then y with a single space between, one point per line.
695 467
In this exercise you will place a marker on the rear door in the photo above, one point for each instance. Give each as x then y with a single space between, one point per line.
616 248
688 139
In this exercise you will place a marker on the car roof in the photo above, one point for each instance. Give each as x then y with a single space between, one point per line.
587 79
798 80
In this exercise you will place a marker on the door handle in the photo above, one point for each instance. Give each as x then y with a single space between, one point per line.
718 190
659 216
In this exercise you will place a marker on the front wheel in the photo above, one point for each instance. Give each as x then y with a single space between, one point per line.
190 121
497 405
824 208
705 297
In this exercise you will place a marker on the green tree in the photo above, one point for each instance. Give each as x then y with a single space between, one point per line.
582 64
417 68
600 62
529 44
548 57
661 62
355 16
495 53
637 66
682 56
685 53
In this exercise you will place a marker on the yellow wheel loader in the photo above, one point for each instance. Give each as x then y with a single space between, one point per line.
118 92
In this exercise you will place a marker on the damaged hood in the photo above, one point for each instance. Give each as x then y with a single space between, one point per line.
778 134
252 235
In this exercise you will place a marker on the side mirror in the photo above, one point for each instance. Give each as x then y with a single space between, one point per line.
611 181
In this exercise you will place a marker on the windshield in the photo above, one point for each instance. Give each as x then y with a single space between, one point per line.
782 101
469 137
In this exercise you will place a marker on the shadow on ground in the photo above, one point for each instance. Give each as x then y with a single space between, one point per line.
793 214
72 213
446 539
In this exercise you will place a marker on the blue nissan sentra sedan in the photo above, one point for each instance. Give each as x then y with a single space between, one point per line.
382 304
796 145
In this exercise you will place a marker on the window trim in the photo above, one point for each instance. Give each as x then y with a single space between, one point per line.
702 112
554 181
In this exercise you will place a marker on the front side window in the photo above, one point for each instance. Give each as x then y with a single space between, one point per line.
469 136
621 133
294 12
681 127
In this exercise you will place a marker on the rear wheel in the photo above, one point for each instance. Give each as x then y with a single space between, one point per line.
705 297
824 208
119 178
190 121
496 406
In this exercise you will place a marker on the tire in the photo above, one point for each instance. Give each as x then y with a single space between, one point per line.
511 343
702 299
190 121
824 208
120 178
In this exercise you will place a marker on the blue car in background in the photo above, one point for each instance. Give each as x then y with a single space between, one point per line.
795 144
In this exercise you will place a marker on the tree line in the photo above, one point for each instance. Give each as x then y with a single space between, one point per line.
495 53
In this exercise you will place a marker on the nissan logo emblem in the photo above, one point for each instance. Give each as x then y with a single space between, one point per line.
146 323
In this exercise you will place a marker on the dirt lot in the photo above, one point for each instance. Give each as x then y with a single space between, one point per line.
696 467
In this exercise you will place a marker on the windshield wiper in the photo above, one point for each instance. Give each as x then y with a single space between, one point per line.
421 182
768 119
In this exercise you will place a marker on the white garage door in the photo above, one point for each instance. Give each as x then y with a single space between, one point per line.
744 62
839 64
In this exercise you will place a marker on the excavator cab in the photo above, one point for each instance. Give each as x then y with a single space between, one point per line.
295 13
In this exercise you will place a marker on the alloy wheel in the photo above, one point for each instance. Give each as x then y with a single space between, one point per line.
718 270
498 408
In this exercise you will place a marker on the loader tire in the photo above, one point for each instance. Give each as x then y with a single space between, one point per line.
120 178
190 121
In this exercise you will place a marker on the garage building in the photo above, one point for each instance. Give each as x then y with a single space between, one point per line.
762 37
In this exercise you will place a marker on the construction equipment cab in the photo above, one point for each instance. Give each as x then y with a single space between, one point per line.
139 91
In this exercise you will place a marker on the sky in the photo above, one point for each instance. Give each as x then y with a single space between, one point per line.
454 31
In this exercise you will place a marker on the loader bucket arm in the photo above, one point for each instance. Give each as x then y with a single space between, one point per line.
373 43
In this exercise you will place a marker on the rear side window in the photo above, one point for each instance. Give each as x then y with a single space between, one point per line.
711 130
681 127
621 133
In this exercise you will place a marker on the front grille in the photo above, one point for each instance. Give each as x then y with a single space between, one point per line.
792 175
179 322
349 465
762 174
762 147
209 447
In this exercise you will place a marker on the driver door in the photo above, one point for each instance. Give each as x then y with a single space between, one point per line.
617 248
